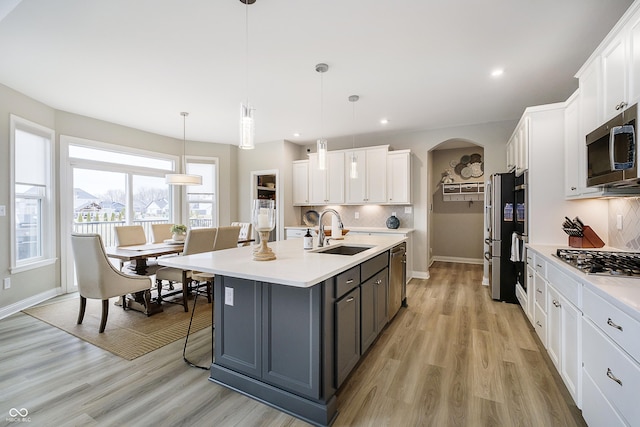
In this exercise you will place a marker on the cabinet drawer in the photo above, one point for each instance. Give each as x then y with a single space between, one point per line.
540 325
531 258
540 265
622 329
615 374
347 281
564 284
596 410
540 291
372 266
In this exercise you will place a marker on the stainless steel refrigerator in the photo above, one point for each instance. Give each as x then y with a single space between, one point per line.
500 209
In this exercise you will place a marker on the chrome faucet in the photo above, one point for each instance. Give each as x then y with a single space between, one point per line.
321 225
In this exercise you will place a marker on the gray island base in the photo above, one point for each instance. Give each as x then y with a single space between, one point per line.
290 335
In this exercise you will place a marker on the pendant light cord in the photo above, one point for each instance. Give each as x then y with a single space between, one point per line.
246 38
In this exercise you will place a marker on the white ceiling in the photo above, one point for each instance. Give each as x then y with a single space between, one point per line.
422 64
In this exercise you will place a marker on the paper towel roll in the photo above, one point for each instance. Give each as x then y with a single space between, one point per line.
335 227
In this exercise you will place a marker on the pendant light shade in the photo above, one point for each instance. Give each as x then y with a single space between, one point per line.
247 125
322 143
353 169
183 178
247 134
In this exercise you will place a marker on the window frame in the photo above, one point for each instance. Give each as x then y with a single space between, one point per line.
48 213
216 188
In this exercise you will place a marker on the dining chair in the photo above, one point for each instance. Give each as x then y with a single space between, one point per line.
197 241
227 238
160 232
133 235
245 235
99 279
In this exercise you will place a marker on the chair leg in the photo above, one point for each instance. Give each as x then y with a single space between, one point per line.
83 306
105 313
209 289
159 287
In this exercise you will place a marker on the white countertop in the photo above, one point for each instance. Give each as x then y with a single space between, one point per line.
624 293
357 229
293 265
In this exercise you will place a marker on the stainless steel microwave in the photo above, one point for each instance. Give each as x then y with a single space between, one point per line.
612 152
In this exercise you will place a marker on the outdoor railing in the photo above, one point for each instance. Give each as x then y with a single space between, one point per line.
106 229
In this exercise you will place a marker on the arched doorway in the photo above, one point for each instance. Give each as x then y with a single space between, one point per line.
456 211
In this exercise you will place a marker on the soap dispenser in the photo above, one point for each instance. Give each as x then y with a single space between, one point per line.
308 240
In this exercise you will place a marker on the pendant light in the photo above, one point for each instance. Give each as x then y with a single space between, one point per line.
353 170
247 126
322 143
183 178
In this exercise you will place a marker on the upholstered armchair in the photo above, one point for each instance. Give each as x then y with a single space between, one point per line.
98 279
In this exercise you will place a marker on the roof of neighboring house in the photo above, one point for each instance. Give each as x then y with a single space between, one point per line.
79 193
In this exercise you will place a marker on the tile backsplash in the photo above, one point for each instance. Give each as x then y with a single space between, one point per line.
369 215
629 237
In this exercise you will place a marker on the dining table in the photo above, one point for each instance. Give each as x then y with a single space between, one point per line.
138 255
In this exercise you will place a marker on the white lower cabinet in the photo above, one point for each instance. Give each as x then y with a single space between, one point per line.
611 362
563 333
597 411
616 376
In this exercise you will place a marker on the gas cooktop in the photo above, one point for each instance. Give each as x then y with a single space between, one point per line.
605 263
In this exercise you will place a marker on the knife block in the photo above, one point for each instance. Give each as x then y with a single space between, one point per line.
589 239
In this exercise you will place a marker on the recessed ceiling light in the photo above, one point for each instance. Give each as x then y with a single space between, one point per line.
497 72
296 134
384 121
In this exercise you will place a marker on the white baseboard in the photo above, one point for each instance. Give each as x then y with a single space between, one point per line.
420 275
485 281
28 302
459 260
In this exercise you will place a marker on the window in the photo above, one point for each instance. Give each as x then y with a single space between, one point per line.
33 220
201 199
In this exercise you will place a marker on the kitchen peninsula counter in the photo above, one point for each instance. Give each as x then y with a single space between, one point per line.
289 331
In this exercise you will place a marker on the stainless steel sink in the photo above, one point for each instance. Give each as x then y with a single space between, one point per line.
342 250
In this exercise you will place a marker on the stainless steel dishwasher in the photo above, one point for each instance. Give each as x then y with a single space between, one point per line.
397 279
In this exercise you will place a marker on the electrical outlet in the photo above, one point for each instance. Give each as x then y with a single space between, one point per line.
3 210
619 222
407 209
356 215
7 282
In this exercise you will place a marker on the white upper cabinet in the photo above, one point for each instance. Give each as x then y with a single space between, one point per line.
399 177
615 66
614 78
371 184
327 186
518 148
300 184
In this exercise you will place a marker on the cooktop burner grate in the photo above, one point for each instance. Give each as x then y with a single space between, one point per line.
606 263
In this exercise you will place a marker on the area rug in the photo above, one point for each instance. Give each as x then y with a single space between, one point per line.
128 334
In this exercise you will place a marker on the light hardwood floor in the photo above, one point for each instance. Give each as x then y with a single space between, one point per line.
454 357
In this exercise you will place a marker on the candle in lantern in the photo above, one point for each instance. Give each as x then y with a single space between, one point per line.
263 218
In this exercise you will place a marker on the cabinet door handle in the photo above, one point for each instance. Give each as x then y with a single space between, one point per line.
538 323
538 265
349 281
613 325
350 299
573 188
556 303
613 377
538 291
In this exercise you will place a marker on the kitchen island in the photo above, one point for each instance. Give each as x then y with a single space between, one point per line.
288 332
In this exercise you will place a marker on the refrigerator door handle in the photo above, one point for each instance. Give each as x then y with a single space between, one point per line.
487 256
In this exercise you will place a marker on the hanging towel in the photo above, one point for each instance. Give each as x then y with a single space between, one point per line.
515 248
